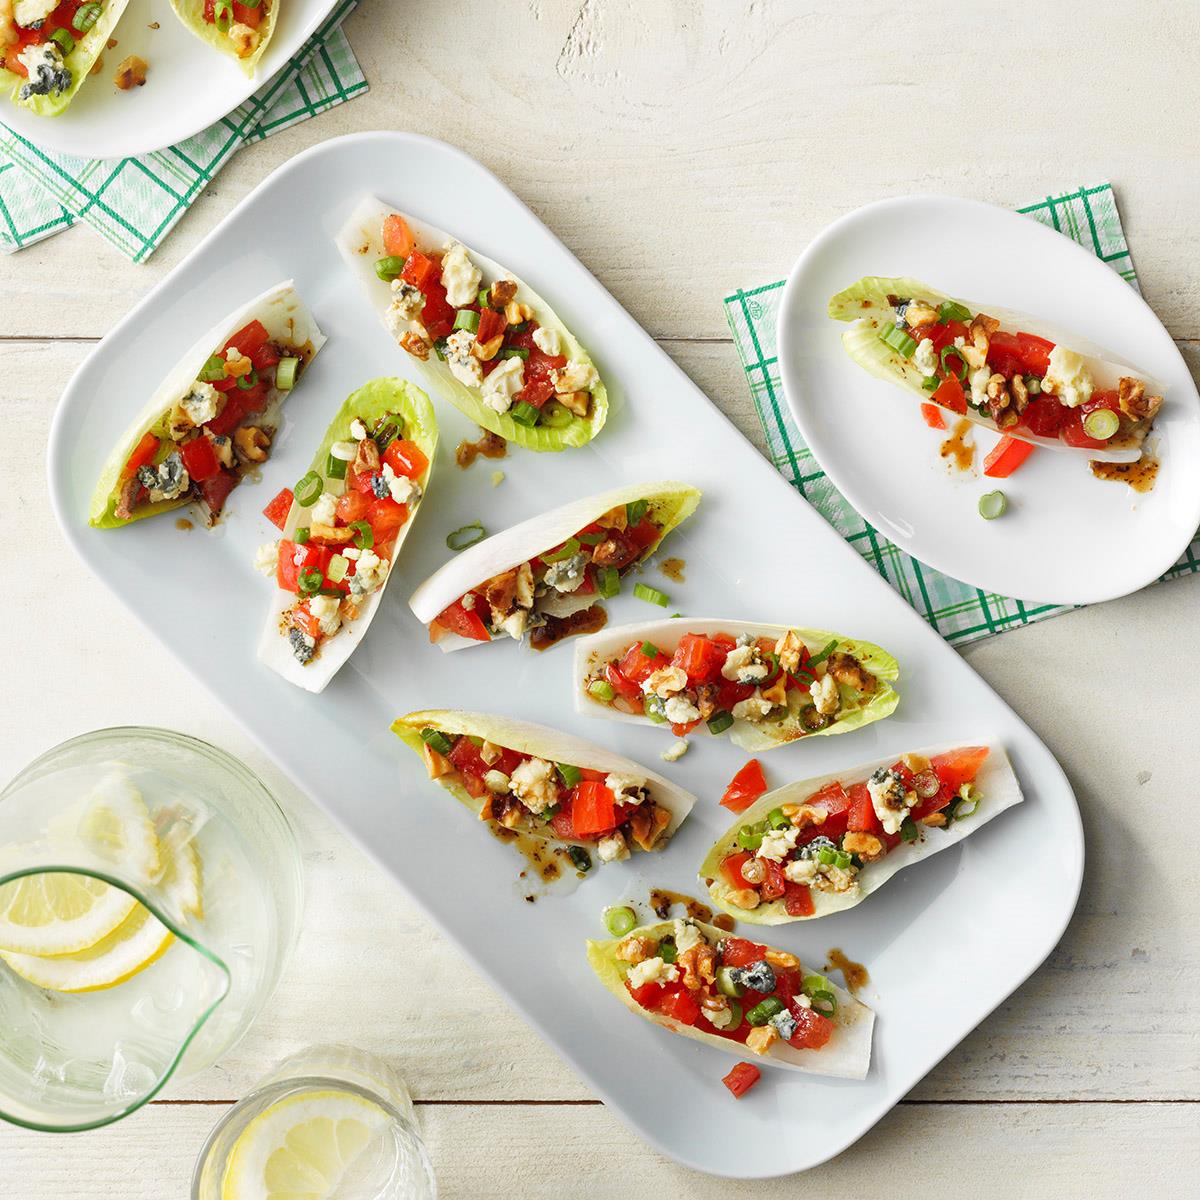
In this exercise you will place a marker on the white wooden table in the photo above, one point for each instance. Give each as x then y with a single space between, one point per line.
684 149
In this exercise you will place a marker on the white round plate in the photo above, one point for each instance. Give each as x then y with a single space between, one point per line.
1067 537
189 85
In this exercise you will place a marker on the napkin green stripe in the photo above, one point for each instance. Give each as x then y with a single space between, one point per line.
959 612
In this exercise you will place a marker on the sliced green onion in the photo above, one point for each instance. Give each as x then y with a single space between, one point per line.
439 348
247 381
635 510
484 297
591 539
931 383
514 352
223 15
285 373
777 820
308 489
335 467
466 535
64 40
897 339
749 838
1033 385
300 537
309 580
581 858
570 775
466 318
250 3
908 830
649 649
364 535
338 566
727 983
948 311
525 414
435 739
843 860
1101 424
825 653
947 351
554 416
764 1010
643 591
602 690
519 328
388 267
619 921
85 17
667 950
568 548
827 855
212 370
608 581
386 432
720 722
654 707
969 802
992 505
824 1001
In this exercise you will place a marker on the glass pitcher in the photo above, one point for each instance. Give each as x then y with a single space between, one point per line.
150 895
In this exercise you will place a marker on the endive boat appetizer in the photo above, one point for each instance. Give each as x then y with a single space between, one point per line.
213 418
240 30
544 576
1004 370
547 784
736 996
488 342
343 527
48 48
765 684
822 845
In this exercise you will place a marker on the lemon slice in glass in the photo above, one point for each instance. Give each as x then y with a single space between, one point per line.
301 1147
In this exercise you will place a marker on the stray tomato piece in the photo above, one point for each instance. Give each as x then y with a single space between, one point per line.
950 395
745 787
741 1079
1006 456
594 808
276 512
199 459
398 240
933 416
456 619
142 456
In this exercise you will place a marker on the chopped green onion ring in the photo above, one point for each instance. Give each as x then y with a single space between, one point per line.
309 580
285 373
897 339
435 739
993 505
308 489
946 352
1101 424
565 551
719 722
335 467
364 535
466 535
950 310
86 16
64 41
643 591
466 318
570 774
581 858
247 381
608 581
602 690
649 649
635 510
619 920
389 267
212 370
825 653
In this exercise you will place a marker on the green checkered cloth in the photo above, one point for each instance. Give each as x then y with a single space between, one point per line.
959 612
135 202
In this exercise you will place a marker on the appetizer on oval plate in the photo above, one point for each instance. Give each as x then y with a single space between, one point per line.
48 48
488 342
213 418
544 576
1000 369
342 529
765 684
821 845
241 30
737 996
547 784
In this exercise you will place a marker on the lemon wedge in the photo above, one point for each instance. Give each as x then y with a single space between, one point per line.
301 1147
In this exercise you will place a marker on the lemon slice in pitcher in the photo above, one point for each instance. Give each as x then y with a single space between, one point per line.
302 1146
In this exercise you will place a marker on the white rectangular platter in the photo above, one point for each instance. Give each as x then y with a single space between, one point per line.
945 942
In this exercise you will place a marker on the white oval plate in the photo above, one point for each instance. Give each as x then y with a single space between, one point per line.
188 87
1067 537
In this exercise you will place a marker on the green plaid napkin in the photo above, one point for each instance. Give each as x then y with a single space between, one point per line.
135 202
959 612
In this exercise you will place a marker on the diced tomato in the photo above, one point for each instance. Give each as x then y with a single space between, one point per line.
740 952
797 900
741 1079
353 506
421 271
1102 398
230 416
563 821
949 394
636 666
398 240
303 619
249 339
775 882
491 324
956 767
406 458
142 456
1035 353
732 692
456 619
836 803
1044 416
681 1007
386 518
536 392
244 14
276 512
252 399
645 533
745 787
1006 354
438 314
648 995
360 481
813 1029
861 816
294 558
933 416
594 808
1005 457
215 490
700 658
467 759
731 868
623 686
199 459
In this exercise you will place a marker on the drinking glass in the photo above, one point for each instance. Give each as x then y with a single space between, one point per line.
150 895
331 1121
